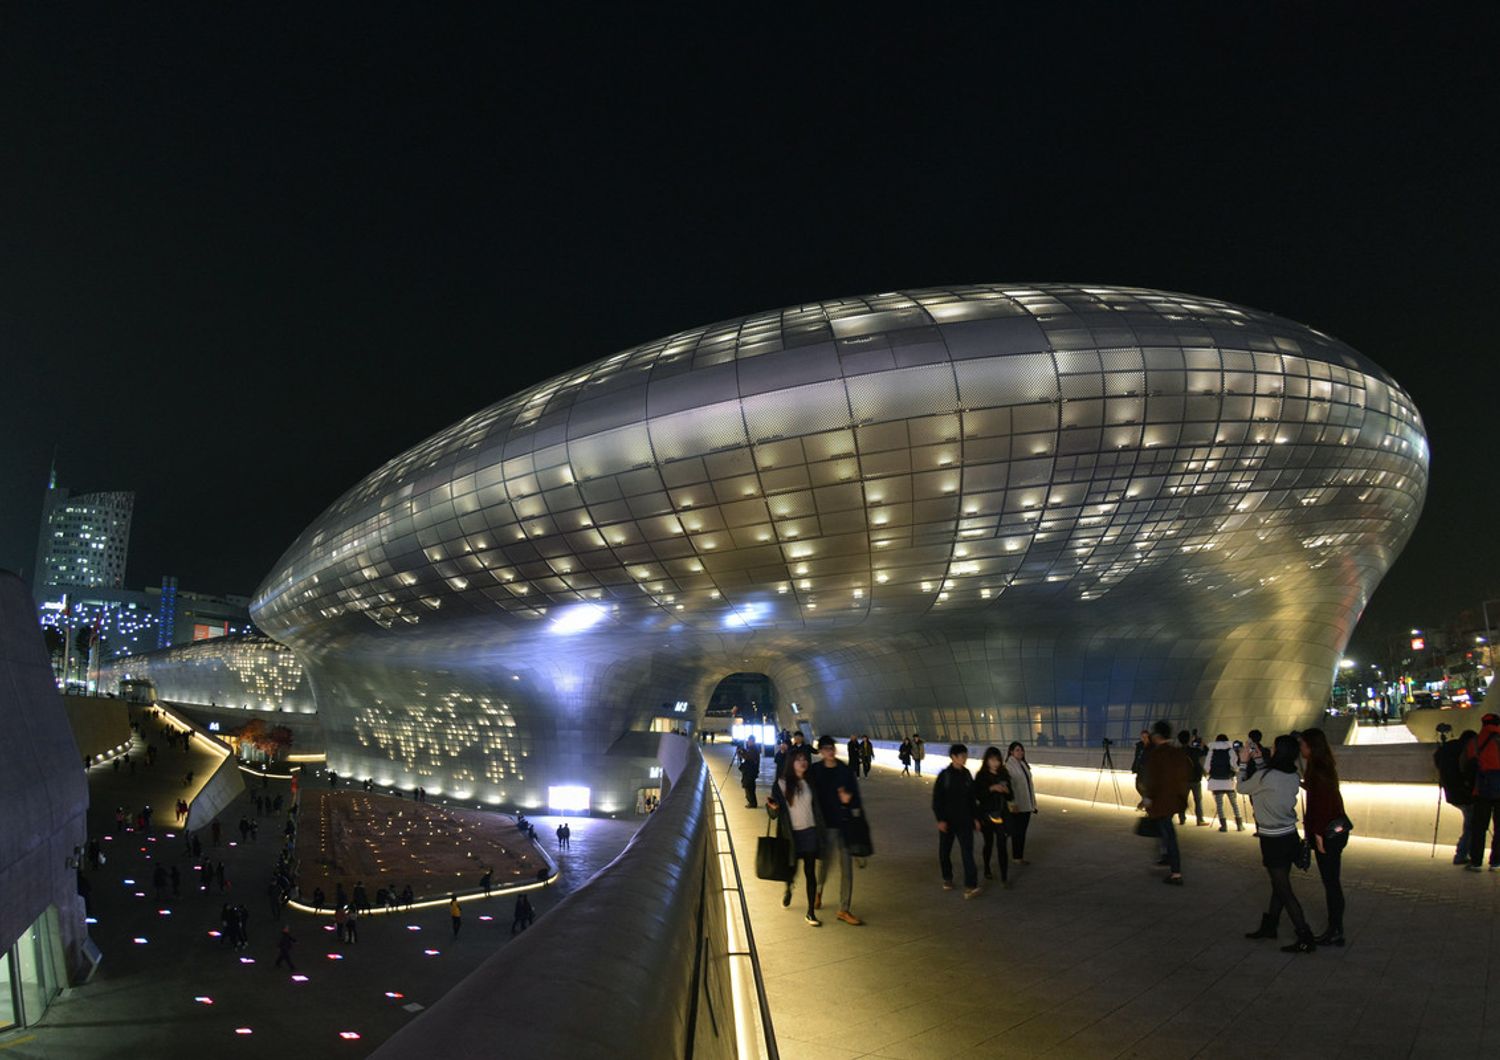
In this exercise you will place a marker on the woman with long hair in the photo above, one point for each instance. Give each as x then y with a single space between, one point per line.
799 822
1327 827
1273 794
992 790
1022 799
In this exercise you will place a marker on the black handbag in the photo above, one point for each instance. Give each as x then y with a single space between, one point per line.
1147 826
857 835
773 859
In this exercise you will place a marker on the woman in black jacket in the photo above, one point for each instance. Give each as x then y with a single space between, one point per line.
992 791
799 822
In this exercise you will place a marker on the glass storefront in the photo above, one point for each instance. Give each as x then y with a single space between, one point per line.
30 973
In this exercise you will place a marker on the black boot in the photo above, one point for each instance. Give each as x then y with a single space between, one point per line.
1305 943
1334 936
1267 928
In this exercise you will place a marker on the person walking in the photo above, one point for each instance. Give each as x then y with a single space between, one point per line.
1222 773
856 752
955 805
1483 760
341 922
866 754
524 914
1165 777
799 823
1458 787
837 791
1192 749
992 793
559 837
904 753
351 926
455 913
284 950
1327 828
749 756
1022 800
918 751
1273 794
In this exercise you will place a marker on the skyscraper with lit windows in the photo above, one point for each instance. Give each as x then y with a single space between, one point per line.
83 540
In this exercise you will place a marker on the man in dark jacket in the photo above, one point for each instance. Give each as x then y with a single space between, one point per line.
956 807
1194 749
1458 787
837 791
749 769
1166 775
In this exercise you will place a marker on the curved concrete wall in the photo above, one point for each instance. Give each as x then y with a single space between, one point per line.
42 788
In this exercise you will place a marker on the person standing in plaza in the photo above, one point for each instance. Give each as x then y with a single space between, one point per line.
799 823
351 926
749 758
955 805
1326 826
341 921
1483 761
837 792
1022 800
524 914
918 751
1166 775
1193 749
1273 793
866 754
455 913
904 753
855 750
992 791
1458 787
1221 766
284 950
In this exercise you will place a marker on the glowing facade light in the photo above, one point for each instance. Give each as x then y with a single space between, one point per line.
568 798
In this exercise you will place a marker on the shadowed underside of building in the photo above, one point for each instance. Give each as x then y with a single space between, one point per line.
1042 512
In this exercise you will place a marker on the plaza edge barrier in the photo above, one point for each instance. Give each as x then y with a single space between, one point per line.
1390 791
635 963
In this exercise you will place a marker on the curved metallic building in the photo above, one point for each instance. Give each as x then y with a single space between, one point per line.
245 671
1043 512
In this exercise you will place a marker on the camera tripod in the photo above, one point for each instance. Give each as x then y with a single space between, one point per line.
1107 762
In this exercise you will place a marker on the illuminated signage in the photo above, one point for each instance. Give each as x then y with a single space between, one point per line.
1418 643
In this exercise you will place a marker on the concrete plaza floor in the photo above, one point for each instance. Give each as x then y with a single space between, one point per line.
1089 955
142 1001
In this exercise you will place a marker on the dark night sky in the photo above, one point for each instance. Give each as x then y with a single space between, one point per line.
246 257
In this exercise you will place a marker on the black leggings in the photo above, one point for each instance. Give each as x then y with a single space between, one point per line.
991 830
1333 890
1016 825
810 871
1283 898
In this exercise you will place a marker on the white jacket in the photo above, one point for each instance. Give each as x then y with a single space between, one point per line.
1022 791
1222 783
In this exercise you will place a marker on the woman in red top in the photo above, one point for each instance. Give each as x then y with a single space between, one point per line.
1325 806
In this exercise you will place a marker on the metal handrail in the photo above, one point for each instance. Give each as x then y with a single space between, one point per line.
767 1031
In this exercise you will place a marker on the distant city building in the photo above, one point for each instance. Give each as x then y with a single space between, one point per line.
83 539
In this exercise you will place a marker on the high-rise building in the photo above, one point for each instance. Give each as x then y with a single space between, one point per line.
83 539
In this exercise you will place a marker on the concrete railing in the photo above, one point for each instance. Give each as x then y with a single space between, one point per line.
651 958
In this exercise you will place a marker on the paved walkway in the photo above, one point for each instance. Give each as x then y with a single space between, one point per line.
142 1000
1089 955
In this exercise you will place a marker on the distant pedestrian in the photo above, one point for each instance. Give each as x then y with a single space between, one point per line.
219 876
904 754
318 899
242 919
559 837
351 926
273 898
748 755
866 755
284 950
918 751
455 913
1022 806
1187 742
567 836
484 883
1221 766
1273 793
341 921
524 914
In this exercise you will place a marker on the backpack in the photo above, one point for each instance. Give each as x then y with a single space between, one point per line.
1220 764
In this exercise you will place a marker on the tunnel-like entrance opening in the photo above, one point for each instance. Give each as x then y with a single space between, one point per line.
744 697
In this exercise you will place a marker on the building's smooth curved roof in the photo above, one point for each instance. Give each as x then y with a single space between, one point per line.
759 444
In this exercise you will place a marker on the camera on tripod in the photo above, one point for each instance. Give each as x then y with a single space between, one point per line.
1108 742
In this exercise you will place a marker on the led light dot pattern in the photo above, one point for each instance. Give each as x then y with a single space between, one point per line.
1048 512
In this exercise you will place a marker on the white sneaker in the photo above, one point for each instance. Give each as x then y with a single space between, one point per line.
947 885
971 892
812 921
